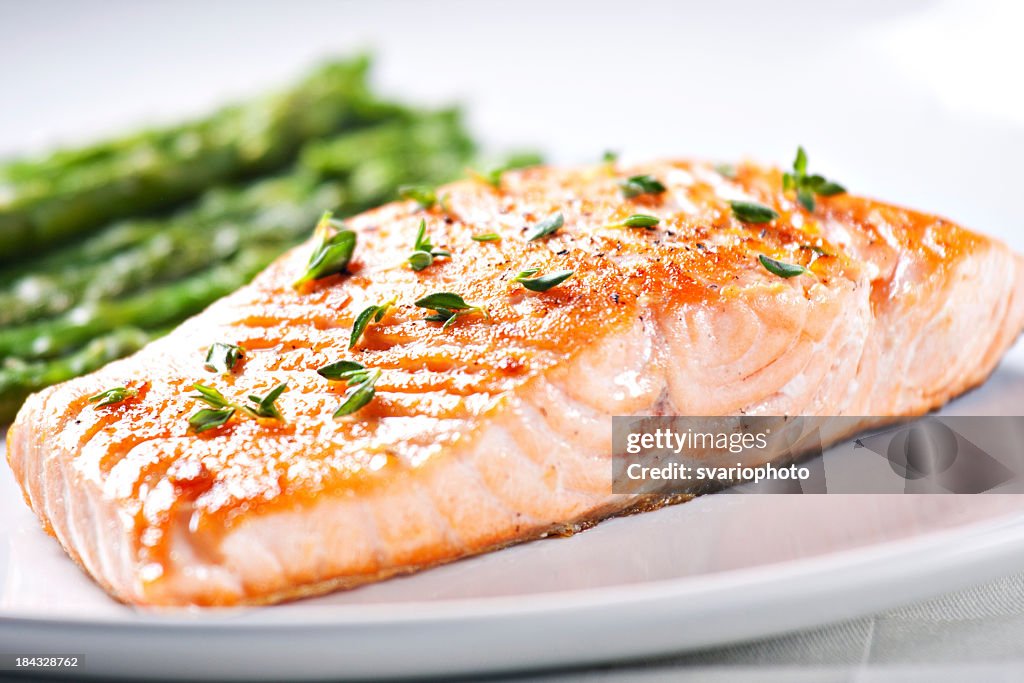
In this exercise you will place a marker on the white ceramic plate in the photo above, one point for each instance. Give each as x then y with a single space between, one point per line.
722 568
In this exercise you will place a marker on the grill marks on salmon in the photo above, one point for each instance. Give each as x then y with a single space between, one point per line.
498 430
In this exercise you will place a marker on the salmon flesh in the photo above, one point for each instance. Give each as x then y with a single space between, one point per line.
496 428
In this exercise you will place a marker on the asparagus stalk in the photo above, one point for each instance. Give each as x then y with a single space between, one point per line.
435 149
156 307
68 193
20 378
349 174
273 212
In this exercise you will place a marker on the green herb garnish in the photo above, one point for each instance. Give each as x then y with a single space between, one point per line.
264 407
486 237
546 227
726 171
208 419
112 396
637 220
374 313
425 196
544 282
491 177
218 414
807 186
752 212
358 395
610 156
221 409
223 357
342 370
448 307
360 383
210 396
420 260
333 252
786 270
423 252
636 185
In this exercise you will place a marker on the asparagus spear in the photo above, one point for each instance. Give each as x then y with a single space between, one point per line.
19 378
353 172
159 306
272 212
434 149
43 201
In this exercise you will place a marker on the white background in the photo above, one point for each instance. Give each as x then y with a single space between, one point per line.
919 103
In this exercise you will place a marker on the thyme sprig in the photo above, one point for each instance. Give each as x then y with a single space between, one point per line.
222 357
423 251
448 307
373 313
544 282
222 409
333 251
808 186
112 396
361 384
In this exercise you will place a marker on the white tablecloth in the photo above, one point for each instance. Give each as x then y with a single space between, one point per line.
976 635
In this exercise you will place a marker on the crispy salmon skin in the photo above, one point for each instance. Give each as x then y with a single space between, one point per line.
496 428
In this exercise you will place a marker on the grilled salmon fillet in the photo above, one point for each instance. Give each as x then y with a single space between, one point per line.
496 429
